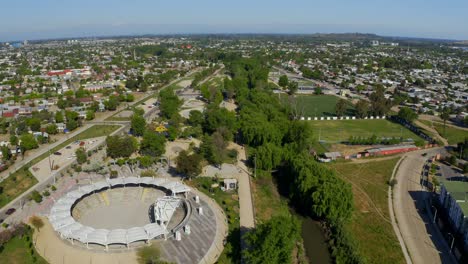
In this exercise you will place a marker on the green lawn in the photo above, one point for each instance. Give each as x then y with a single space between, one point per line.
17 251
317 105
452 134
22 180
370 224
342 130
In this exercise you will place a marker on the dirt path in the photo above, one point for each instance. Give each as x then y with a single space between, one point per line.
433 131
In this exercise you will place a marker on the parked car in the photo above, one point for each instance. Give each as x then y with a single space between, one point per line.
68 147
10 211
57 153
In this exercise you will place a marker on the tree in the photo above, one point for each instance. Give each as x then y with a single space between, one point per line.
407 114
6 154
283 81
217 117
379 104
340 107
34 124
121 146
153 144
72 120
59 117
195 118
138 124
89 115
13 140
36 222
293 87
81 156
111 103
28 142
272 241
169 103
362 108
445 115
51 129
318 90
189 164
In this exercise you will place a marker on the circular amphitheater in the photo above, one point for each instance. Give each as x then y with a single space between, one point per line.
122 213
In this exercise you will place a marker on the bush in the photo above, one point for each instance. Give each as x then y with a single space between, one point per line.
36 196
46 193
113 174
53 188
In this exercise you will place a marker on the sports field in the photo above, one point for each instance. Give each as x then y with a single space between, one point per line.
342 130
318 105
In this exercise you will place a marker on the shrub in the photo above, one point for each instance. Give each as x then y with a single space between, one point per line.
53 188
36 196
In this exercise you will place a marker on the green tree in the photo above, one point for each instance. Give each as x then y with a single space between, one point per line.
283 81
169 103
195 118
340 107
14 140
81 156
51 129
6 154
407 114
153 144
445 115
89 115
362 108
28 142
59 117
34 124
111 103
121 146
293 87
138 124
379 104
272 241
189 164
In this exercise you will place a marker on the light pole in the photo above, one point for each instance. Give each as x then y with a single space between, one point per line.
453 240
435 214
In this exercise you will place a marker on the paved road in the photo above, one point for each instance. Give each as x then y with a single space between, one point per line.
422 239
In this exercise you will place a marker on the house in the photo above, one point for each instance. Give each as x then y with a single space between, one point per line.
230 184
60 127
332 155
453 199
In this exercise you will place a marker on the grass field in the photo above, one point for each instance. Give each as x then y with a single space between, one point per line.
267 200
371 225
342 130
318 105
453 135
22 180
16 251
16 184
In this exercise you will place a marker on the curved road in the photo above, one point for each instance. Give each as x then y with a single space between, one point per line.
422 239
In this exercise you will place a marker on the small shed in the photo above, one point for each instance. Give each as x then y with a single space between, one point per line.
332 155
230 184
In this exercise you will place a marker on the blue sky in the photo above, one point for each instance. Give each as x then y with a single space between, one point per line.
33 19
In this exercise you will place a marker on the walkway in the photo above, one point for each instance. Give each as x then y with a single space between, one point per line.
424 243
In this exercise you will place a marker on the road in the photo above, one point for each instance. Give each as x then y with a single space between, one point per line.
422 239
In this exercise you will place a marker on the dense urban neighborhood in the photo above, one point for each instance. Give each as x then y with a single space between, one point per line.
320 148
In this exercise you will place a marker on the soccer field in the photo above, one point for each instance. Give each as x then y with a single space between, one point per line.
342 130
318 105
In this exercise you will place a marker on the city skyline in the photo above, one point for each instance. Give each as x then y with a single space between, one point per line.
54 19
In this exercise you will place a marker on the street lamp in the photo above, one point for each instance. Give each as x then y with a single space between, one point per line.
453 240
435 214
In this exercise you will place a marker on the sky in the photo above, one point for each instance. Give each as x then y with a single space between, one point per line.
39 19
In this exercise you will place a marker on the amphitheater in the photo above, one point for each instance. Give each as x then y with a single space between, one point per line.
123 213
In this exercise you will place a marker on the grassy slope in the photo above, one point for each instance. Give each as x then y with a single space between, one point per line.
340 130
371 221
453 135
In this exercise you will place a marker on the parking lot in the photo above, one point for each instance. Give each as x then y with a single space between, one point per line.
62 158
